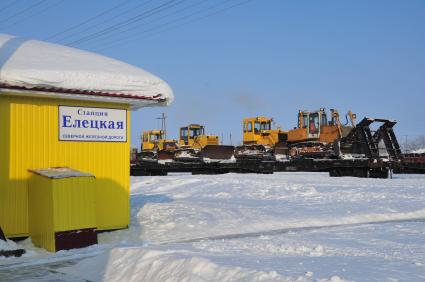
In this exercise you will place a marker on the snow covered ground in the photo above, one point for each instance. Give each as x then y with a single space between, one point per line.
248 227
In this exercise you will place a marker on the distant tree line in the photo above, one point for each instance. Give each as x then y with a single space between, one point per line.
412 144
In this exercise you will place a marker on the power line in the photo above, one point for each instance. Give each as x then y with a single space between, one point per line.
46 8
169 22
107 20
87 21
122 24
151 12
23 11
13 3
154 20
161 30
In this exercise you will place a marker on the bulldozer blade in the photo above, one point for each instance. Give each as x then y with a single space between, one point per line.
281 149
187 155
165 155
218 152
253 152
147 155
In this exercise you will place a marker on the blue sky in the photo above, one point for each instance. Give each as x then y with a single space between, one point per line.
269 57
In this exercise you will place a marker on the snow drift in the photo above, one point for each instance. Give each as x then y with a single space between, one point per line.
33 64
136 264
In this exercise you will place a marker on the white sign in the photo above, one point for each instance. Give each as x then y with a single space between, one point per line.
92 124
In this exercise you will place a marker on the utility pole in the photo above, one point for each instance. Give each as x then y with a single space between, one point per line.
163 124
405 144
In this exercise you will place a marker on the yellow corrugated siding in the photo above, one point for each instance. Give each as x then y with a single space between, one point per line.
74 203
40 216
29 140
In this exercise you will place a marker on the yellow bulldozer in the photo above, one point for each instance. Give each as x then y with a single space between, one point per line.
258 131
193 136
260 139
156 146
195 144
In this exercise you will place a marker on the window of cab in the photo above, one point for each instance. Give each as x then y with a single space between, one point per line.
183 132
266 125
196 131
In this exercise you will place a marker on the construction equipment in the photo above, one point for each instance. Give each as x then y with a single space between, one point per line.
194 136
363 142
314 126
312 137
258 131
156 146
194 145
320 142
259 138
379 147
315 134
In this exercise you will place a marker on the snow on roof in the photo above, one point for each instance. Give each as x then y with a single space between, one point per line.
60 172
53 70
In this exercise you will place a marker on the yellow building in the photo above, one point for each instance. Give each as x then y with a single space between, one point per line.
63 107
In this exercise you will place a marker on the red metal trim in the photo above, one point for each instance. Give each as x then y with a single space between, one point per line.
75 239
82 92
414 158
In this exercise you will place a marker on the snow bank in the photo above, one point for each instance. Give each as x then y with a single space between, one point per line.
7 246
419 151
35 64
140 264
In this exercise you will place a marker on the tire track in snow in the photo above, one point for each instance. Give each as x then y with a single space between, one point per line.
291 229
34 261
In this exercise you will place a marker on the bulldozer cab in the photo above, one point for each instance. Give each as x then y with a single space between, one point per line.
190 132
318 126
256 126
312 122
258 130
151 139
194 136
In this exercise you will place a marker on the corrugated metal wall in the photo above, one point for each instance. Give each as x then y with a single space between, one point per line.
40 217
29 140
74 203
59 205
